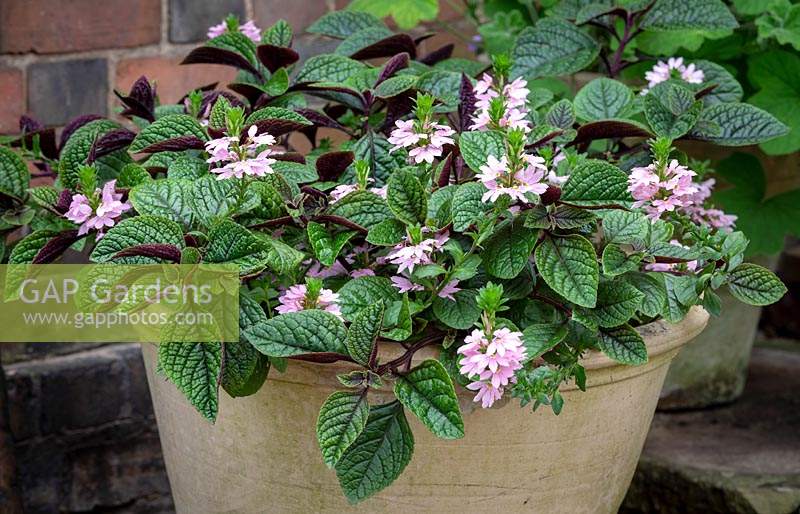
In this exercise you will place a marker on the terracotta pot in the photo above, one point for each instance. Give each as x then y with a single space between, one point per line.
712 370
262 455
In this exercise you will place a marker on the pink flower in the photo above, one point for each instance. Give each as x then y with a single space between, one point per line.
404 285
491 364
249 29
407 256
449 290
692 74
295 299
108 207
663 71
244 159
497 177
515 99
426 140
363 272
339 192
318 271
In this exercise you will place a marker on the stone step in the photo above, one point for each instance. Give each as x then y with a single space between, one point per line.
742 458
85 433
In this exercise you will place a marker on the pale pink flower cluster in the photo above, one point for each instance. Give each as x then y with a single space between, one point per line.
249 29
426 140
500 180
662 72
491 364
406 256
342 190
317 270
515 99
241 159
99 212
675 192
662 266
295 299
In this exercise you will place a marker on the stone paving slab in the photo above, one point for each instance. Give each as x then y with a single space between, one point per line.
740 458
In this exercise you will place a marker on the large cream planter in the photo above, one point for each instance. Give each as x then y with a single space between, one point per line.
262 456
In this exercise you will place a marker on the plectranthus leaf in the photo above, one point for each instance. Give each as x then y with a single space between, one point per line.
428 392
231 243
617 262
406 197
689 14
378 455
363 208
341 419
139 230
651 285
737 124
460 313
363 333
163 198
194 368
617 302
340 24
507 251
625 227
624 345
552 47
539 338
326 246
298 333
671 110
329 68
476 147
594 182
77 148
362 292
602 99
14 175
467 206
568 264
164 129
387 233
755 285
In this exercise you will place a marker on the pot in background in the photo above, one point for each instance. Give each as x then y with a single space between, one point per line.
262 453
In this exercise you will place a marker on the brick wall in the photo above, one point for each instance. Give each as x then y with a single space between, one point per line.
61 58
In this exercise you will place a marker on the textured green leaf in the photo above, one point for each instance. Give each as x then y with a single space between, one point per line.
755 285
298 333
651 285
280 257
689 14
236 42
406 197
279 34
737 124
460 314
561 114
211 199
358 294
231 243
552 47
440 205
329 68
44 196
340 24
187 168
625 227
27 248
476 147
406 13
594 182
428 392
164 199
363 333
14 176
166 128
617 262
681 295
393 86
137 231
726 88
362 207
602 99
467 207
781 22
671 110
276 113
569 266
398 319
507 251
387 233
617 302
326 246
539 338
444 85
245 369
378 455
362 39
383 161
567 217
194 368
341 419
623 345
77 148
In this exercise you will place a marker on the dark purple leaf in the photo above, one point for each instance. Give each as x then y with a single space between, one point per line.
64 201
388 47
423 37
249 91
135 108
319 119
438 55
176 144
397 107
28 124
447 169
74 125
608 129
705 91
330 166
144 93
203 89
209 97
47 140
551 195
53 249
322 357
392 66
110 142
544 140
162 251
212 55
466 106
278 127
276 57
289 157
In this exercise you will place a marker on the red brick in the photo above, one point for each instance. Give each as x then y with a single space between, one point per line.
173 81
13 104
298 13
48 26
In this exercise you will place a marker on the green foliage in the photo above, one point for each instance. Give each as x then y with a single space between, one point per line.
342 418
602 99
363 333
552 47
755 285
164 129
194 368
298 333
428 392
774 74
569 265
406 13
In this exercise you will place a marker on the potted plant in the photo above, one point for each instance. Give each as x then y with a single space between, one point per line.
470 244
